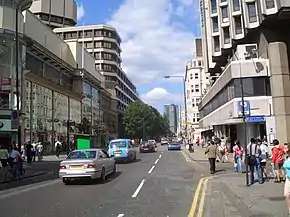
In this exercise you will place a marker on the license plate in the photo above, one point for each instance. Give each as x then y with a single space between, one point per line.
146 149
77 167
117 155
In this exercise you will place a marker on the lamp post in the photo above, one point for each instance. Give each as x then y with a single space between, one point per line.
184 97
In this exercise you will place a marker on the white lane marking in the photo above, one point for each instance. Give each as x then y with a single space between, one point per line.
139 188
156 161
22 189
120 215
160 156
152 168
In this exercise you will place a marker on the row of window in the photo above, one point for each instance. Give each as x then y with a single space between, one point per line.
195 102
256 86
195 88
106 56
102 44
90 34
56 19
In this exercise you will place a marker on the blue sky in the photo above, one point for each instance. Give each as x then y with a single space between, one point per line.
158 40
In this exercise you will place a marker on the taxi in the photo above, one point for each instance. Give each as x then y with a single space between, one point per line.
122 149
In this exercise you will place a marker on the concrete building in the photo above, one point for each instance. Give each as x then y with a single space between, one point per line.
55 13
196 84
246 45
171 113
103 42
52 83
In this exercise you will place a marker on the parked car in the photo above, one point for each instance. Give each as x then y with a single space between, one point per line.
164 142
86 164
122 149
174 146
147 147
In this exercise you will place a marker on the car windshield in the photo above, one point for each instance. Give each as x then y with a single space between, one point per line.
119 144
174 144
82 155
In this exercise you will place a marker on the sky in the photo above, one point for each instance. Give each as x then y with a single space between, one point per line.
157 40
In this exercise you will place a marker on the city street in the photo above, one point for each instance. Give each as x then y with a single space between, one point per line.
156 185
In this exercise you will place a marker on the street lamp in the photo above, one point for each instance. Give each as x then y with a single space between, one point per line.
184 96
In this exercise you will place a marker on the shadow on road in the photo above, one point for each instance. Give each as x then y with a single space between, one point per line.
34 173
109 178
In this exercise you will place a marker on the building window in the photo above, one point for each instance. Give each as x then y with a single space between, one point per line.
236 5
270 4
238 25
213 6
252 13
89 44
227 38
216 42
98 44
223 0
215 24
225 14
193 105
196 75
196 88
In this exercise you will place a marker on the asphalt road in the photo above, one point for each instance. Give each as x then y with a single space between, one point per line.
158 184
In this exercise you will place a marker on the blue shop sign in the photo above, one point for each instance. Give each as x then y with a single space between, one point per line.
255 119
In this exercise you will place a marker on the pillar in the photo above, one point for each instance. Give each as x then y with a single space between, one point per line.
280 88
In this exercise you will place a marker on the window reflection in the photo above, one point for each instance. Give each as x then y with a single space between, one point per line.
87 102
95 105
41 108
75 114
60 116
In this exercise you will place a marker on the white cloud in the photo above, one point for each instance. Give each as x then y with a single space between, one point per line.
153 44
80 11
160 94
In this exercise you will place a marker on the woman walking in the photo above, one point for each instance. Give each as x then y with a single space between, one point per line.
286 166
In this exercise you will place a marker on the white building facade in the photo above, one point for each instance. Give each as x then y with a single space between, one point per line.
196 83
242 55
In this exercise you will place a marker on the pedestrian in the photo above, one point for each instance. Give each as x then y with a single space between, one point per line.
254 161
4 156
29 152
238 156
278 159
264 156
286 166
57 146
212 152
40 151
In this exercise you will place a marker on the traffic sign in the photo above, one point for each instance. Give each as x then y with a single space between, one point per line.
247 108
255 119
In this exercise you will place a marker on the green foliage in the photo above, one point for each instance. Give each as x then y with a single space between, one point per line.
99 127
84 127
141 119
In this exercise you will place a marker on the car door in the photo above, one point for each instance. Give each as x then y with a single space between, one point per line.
108 162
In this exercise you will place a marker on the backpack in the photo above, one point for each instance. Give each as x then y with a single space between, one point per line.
252 157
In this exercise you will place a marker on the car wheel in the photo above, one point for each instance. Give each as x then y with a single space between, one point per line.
114 169
65 181
103 174
135 157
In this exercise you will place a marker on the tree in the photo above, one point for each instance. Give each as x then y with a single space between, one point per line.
84 127
141 119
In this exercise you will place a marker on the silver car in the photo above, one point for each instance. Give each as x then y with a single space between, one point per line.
86 164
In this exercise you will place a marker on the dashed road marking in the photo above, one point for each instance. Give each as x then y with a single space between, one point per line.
120 215
139 188
152 168
156 161
160 156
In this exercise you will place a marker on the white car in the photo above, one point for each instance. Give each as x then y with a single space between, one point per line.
86 164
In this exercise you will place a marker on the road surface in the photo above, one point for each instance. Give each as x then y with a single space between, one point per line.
160 184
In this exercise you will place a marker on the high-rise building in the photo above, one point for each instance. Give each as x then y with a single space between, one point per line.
196 83
171 113
103 43
55 13
246 53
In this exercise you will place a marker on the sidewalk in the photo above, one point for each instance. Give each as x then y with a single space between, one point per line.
227 196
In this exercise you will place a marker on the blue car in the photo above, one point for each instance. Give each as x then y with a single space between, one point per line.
174 146
122 149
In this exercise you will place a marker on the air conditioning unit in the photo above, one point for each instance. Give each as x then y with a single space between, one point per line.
246 52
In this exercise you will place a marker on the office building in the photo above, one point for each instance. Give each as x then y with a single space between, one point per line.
171 113
196 84
246 45
103 42
53 80
55 13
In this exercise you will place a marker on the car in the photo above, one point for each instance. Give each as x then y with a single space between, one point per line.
174 146
122 150
86 164
152 141
164 142
147 147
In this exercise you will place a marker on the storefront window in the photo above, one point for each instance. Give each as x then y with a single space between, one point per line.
87 102
60 116
75 114
41 108
95 105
